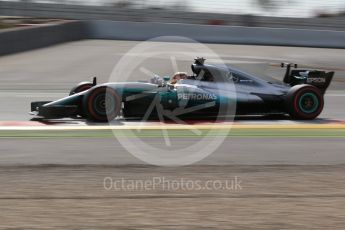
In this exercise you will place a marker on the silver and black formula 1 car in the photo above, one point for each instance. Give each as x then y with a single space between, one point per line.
211 90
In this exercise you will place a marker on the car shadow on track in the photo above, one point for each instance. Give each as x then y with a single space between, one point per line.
266 119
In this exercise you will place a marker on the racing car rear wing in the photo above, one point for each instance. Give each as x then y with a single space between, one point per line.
319 79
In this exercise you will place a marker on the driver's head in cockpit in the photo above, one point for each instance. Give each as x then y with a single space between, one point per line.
178 76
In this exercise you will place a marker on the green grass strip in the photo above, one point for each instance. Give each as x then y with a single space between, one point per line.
270 133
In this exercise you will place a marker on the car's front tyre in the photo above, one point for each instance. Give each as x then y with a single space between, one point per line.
102 104
81 87
304 102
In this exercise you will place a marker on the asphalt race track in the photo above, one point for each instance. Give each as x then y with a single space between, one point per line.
52 173
48 74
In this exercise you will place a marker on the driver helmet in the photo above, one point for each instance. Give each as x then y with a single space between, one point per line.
178 76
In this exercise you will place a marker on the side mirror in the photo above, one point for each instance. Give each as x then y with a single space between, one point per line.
166 78
296 66
282 64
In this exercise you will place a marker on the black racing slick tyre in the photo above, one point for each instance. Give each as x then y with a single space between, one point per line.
304 102
102 104
81 87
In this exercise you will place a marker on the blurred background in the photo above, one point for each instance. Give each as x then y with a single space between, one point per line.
292 177
286 13
281 8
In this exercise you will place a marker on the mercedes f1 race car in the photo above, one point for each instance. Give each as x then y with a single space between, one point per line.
212 90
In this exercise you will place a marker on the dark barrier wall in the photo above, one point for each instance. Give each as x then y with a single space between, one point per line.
140 31
17 40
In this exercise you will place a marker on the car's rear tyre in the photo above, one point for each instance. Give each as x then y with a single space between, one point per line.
102 104
81 87
304 102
